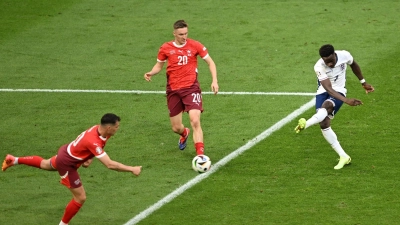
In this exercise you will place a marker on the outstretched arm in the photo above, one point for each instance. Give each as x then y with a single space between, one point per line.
156 69
114 165
328 87
213 71
357 71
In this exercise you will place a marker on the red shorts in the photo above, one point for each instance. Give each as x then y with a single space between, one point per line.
184 100
68 171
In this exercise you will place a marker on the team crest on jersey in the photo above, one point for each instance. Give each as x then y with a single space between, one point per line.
342 66
189 53
172 52
99 150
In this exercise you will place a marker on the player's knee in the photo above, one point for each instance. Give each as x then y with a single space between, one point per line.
81 198
328 105
177 129
195 122
45 165
330 110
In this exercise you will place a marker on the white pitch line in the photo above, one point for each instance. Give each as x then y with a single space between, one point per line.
215 166
152 92
221 163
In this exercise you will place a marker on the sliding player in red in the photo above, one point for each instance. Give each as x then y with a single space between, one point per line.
70 157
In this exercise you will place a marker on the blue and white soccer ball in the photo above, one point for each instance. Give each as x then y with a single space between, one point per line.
201 163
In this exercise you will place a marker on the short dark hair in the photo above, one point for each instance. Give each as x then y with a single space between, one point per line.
326 50
180 24
109 118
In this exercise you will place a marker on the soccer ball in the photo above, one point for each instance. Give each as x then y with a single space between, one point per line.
201 163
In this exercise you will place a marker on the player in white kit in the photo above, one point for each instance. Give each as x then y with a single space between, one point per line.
331 93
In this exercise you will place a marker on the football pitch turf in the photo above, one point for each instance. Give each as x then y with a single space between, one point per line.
64 64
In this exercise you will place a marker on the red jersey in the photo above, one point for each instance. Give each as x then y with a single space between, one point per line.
182 62
87 145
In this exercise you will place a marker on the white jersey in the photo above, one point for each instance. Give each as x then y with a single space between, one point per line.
336 75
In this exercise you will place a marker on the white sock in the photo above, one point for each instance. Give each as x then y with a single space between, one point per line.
317 117
16 160
331 138
62 223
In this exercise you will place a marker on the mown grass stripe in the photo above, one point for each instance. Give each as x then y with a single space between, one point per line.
221 163
151 92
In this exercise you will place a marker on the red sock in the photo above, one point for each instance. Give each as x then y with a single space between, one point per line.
199 148
30 161
70 211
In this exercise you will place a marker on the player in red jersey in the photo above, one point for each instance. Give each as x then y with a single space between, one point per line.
183 88
70 157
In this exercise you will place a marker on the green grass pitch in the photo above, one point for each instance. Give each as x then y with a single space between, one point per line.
258 46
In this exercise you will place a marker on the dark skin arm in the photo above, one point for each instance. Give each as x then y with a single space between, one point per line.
357 71
328 87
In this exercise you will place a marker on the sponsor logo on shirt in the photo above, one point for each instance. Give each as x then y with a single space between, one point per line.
77 182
